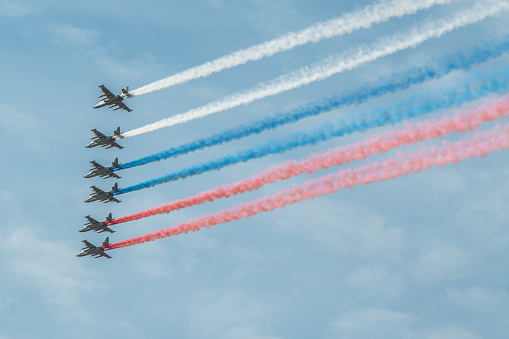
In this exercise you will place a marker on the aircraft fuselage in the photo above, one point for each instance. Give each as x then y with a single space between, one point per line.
93 252
106 196
111 101
102 141
106 172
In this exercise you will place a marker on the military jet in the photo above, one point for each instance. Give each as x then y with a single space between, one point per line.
112 100
100 139
93 250
100 195
101 171
99 227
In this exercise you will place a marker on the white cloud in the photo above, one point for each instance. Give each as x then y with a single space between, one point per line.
480 300
451 333
152 262
372 323
69 34
230 314
15 121
377 282
253 262
486 207
48 264
27 130
445 181
8 198
439 262
345 228
13 10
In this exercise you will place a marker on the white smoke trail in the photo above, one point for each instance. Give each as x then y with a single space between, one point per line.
347 23
350 59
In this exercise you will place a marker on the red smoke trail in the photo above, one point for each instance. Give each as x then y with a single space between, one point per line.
461 122
480 145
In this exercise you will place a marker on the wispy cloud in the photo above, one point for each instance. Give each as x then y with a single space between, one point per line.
49 265
479 300
441 261
73 35
230 314
451 332
377 281
15 10
345 228
372 323
25 129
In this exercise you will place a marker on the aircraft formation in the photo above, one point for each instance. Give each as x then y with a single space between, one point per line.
98 170
473 87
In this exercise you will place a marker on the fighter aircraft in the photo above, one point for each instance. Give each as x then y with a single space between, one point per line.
104 172
108 98
100 139
93 250
100 195
99 227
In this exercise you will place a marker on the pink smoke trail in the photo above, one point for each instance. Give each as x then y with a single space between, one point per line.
480 145
461 122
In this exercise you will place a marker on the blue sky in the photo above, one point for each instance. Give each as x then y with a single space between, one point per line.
422 256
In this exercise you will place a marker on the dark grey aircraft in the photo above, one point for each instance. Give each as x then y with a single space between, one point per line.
100 139
112 100
99 227
93 250
100 195
101 171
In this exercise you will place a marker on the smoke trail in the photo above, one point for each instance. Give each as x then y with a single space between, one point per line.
344 24
480 145
414 106
331 66
461 122
396 82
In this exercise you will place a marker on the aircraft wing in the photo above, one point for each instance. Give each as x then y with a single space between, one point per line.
121 105
114 144
115 176
98 134
105 228
89 245
91 220
105 255
96 165
97 190
106 92
109 229
114 199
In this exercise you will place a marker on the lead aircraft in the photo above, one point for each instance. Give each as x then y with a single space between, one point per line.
112 100
93 250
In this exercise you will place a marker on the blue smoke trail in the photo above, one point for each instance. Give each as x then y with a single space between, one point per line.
415 106
396 82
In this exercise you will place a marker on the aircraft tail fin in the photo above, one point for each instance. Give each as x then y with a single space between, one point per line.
106 242
117 132
109 217
114 163
115 187
125 92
